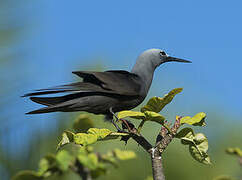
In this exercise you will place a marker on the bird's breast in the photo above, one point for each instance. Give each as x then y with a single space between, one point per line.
129 103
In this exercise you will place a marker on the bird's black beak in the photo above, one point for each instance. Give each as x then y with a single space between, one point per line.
169 59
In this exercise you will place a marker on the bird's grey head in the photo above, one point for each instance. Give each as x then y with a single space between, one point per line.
147 62
158 56
150 59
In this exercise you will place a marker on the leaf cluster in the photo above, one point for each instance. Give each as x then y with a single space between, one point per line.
198 143
234 151
84 161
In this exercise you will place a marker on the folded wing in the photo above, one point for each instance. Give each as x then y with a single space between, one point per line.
117 82
112 82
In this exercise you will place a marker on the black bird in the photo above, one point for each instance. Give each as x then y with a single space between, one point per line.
105 92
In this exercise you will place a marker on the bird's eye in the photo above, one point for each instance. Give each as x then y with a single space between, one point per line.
163 53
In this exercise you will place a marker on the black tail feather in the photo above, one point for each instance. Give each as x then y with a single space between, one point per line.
74 87
46 110
44 92
48 100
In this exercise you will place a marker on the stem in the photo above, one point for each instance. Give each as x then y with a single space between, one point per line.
142 142
164 138
140 126
162 141
83 172
167 127
157 167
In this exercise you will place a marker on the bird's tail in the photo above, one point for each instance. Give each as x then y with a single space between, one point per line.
47 100
46 110
61 103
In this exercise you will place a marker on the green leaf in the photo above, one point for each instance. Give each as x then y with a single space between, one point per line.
67 137
113 135
132 114
199 150
124 155
201 141
149 178
186 135
235 151
109 157
100 133
43 166
82 123
197 120
153 116
46 163
90 161
199 156
98 172
93 135
27 175
156 104
223 177
198 144
85 139
147 116
64 160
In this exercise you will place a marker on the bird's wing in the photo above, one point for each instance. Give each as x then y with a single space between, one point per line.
113 82
117 82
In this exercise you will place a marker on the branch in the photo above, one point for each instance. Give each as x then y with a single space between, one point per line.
157 167
140 139
240 161
156 160
83 172
135 135
162 141
164 138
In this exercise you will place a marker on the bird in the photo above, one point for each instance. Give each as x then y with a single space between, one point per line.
105 92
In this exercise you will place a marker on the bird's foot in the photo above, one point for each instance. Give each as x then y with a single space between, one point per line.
114 122
125 123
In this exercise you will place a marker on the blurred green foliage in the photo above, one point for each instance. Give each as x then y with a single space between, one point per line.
235 151
82 160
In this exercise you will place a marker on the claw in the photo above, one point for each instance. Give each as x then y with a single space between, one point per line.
114 122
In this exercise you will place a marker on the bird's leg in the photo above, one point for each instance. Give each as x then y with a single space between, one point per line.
117 119
111 111
114 122
126 124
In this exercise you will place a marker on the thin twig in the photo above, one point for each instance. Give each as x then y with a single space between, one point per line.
83 172
167 137
135 135
240 161
141 125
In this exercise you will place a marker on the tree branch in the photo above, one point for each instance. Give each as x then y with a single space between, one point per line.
240 161
157 167
83 172
164 137
140 140
162 141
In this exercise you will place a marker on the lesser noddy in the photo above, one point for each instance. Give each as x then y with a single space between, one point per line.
105 92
